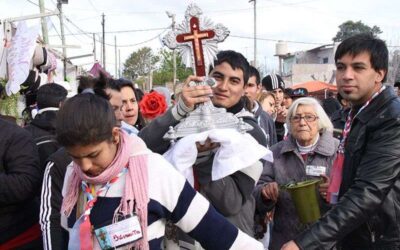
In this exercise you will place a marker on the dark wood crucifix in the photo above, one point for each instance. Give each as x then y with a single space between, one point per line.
196 36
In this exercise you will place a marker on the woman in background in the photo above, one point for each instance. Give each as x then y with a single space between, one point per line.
130 106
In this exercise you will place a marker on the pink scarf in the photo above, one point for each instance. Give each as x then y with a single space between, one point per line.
136 187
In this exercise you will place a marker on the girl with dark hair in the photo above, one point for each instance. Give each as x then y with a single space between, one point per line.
115 181
53 235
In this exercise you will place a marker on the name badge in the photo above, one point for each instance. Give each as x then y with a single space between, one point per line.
315 170
120 233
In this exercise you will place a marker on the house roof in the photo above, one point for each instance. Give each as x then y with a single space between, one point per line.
315 86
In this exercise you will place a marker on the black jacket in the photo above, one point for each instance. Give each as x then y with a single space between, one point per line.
338 120
43 130
367 215
330 105
19 181
54 236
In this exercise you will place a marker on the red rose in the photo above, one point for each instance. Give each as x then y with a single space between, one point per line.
152 105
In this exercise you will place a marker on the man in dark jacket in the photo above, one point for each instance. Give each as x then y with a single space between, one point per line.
252 89
330 104
49 98
366 215
19 182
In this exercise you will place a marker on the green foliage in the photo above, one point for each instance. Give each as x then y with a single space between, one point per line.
350 28
165 73
8 104
140 62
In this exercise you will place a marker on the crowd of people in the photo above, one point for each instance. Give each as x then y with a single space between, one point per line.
88 172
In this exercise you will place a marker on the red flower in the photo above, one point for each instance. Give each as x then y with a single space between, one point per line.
152 105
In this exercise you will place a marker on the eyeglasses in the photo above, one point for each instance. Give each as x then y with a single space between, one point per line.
307 118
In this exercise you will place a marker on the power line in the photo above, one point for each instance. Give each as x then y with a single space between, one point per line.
94 7
76 37
276 40
55 29
117 31
146 41
124 45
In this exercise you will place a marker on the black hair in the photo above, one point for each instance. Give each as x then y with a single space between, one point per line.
235 60
139 94
50 95
85 82
85 119
254 72
98 85
375 47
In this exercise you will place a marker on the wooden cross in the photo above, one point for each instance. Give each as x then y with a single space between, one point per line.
196 36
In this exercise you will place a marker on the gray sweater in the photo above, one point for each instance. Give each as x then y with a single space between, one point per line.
289 166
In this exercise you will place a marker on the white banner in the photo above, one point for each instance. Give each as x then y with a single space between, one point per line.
19 56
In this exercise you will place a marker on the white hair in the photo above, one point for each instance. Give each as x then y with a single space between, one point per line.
324 123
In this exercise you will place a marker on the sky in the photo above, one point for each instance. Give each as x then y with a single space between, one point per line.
304 24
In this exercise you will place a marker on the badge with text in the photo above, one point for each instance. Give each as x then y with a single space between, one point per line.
315 170
120 233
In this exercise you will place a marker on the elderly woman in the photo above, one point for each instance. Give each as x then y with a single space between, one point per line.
309 147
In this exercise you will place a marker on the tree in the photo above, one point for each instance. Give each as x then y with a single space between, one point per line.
350 28
393 74
166 71
139 63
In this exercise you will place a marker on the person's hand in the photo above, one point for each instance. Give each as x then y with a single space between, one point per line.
192 95
270 191
281 113
323 186
291 245
208 145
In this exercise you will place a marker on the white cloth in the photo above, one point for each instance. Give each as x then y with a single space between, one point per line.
236 151
19 56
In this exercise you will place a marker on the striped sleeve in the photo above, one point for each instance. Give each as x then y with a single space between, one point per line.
191 212
51 198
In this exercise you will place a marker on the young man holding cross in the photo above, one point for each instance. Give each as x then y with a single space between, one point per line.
232 195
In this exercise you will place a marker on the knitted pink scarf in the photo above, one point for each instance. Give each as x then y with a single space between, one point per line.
130 151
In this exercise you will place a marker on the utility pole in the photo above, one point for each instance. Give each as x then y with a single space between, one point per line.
119 64
101 50
61 16
150 74
116 65
104 43
255 33
44 23
94 48
172 16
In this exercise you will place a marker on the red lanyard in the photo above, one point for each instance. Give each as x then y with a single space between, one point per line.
350 118
92 199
